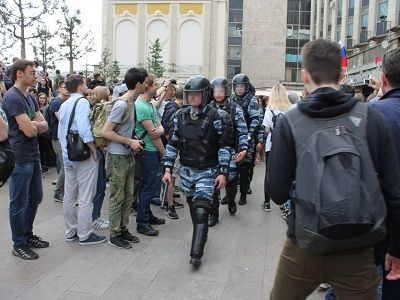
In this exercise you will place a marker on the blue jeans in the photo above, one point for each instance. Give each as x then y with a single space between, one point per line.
330 293
101 186
26 193
150 164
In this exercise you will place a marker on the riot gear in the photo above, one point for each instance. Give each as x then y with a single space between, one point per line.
241 79
220 82
198 83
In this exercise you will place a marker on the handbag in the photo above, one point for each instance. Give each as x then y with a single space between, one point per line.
77 150
7 162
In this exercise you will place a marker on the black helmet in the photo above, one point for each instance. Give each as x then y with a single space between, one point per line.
241 79
221 82
198 83
252 89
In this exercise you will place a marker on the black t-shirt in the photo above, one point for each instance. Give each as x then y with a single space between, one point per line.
45 90
55 105
15 103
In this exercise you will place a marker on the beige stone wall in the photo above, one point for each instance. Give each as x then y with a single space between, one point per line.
264 41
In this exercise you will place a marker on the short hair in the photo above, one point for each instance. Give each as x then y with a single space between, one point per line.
20 65
57 71
179 92
134 76
100 93
348 89
293 97
150 80
391 67
322 59
73 81
95 75
32 89
60 83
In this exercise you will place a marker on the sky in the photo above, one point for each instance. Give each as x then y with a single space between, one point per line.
91 16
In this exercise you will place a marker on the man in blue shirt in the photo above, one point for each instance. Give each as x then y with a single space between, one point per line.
54 118
26 192
80 176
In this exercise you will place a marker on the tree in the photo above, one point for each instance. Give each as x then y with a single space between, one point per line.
115 70
17 16
75 43
44 53
105 67
154 59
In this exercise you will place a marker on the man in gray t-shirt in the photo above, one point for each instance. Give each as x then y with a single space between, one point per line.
120 163
117 113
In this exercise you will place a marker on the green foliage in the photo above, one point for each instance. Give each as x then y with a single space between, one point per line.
75 44
18 16
44 53
115 70
154 59
105 67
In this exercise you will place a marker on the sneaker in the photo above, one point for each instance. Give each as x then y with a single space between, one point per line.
58 197
126 235
45 170
242 199
119 242
156 221
133 212
178 205
171 212
266 206
36 241
155 201
72 238
93 239
323 286
24 252
99 224
104 220
224 201
147 230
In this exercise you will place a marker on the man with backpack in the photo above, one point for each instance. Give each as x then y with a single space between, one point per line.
121 165
335 159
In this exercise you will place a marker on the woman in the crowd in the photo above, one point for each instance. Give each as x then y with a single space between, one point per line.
45 146
278 104
98 95
43 87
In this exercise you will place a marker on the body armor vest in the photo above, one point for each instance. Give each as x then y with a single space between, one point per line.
198 144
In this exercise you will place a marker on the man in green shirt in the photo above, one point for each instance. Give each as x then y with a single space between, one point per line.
149 128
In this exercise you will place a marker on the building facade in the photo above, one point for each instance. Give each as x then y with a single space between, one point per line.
192 34
368 28
211 37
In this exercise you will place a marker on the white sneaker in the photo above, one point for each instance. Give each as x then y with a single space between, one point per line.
99 224
105 221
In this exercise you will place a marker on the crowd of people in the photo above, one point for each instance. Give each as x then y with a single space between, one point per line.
331 163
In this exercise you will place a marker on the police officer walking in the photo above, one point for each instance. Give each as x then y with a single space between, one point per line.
238 145
199 137
248 102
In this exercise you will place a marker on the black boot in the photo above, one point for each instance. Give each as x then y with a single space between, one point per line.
224 201
230 195
249 191
200 230
244 177
242 200
191 209
214 210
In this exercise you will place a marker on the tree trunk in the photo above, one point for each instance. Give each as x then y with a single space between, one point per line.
71 65
23 51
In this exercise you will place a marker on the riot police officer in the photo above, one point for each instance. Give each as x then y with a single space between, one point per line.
199 137
238 144
249 104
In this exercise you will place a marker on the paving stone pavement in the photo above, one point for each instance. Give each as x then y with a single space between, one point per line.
240 258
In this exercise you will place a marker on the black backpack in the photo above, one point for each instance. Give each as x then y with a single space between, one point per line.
338 202
7 162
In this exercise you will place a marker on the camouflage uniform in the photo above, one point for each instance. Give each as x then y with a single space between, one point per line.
240 144
251 111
